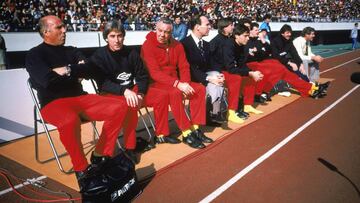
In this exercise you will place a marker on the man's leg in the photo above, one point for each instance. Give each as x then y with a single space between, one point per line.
197 104
159 100
110 110
65 115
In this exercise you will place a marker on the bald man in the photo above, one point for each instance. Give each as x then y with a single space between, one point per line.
64 104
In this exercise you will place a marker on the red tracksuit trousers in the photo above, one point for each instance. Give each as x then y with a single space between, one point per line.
233 83
65 114
155 98
197 106
274 71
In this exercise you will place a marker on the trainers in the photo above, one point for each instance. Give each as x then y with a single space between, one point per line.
266 96
259 99
193 141
250 109
320 90
242 114
233 117
167 139
201 136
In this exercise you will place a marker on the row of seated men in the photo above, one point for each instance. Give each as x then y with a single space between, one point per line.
164 74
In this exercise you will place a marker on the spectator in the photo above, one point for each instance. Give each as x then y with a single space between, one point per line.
179 30
353 36
266 26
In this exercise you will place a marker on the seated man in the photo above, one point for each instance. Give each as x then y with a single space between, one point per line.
283 49
310 60
219 54
165 59
198 54
125 77
64 103
236 54
274 71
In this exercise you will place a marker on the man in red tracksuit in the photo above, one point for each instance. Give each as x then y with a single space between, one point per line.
165 59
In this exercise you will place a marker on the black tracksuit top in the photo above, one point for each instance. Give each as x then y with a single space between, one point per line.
120 70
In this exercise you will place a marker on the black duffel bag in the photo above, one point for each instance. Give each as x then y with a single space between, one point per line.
119 177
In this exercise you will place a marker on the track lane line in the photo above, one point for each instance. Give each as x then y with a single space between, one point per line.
335 67
258 161
21 185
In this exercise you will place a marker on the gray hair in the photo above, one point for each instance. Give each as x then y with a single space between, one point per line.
113 25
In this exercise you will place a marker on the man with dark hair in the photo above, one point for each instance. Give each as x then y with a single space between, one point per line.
219 62
54 73
310 60
124 77
266 25
283 49
236 55
354 36
179 29
169 69
198 54
261 59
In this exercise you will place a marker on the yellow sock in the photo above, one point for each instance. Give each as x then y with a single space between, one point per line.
185 133
313 89
250 109
233 117
195 127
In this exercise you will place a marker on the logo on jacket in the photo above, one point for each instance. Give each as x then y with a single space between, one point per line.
124 76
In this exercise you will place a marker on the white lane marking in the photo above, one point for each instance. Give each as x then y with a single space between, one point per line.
338 54
22 185
335 67
258 161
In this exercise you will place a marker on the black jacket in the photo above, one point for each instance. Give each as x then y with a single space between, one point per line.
263 50
120 70
228 56
284 51
199 64
40 61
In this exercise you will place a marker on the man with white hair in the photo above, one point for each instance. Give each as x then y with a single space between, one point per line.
169 69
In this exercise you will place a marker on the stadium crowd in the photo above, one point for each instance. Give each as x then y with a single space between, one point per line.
91 15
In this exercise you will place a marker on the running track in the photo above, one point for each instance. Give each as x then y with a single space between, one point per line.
290 174
294 172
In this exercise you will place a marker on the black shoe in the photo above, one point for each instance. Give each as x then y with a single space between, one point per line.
132 156
259 99
192 141
201 136
324 86
91 181
167 139
242 114
149 147
321 91
266 96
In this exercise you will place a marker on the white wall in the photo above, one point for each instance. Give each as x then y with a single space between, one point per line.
25 41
